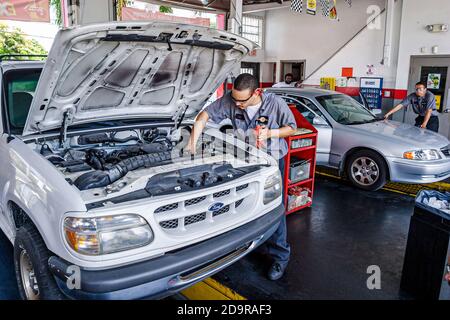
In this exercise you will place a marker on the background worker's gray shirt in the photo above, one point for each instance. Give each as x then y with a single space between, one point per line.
421 105
273 108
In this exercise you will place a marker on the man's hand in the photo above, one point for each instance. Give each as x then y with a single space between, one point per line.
426 119
190 148
394 110
197 129
263 135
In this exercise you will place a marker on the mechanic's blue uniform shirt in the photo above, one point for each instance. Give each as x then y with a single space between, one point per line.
273 108
421 105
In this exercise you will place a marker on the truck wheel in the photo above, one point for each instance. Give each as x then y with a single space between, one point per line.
34 279
367 170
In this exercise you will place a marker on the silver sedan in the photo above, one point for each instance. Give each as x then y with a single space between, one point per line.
366 149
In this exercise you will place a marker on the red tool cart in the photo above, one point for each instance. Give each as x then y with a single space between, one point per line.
300 165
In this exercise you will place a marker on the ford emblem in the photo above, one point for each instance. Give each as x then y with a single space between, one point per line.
216 206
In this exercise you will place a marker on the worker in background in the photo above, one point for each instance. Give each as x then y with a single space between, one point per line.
287 83
423 104
246 105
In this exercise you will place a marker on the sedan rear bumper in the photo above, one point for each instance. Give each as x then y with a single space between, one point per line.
413 171
166 275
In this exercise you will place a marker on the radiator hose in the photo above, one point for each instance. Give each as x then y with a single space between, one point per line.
99 178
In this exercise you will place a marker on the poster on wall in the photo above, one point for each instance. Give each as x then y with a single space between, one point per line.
438 99
434 81
25 10
328 83
333 10
371 89
341 82
311 7
352 82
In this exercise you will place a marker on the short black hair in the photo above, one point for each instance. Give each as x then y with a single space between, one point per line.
288 75
246 81
421 83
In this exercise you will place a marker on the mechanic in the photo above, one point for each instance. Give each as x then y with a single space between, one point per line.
245 106
423 104
288 82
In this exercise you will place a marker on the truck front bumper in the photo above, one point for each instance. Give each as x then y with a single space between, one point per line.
168 274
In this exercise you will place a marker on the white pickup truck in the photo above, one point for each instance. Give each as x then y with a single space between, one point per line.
96 193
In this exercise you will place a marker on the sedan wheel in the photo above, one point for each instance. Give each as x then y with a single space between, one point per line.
365 171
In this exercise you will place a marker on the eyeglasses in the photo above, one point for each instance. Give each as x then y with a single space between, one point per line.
241 101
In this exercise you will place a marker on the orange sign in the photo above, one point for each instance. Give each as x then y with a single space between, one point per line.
347 72
25 10
142 15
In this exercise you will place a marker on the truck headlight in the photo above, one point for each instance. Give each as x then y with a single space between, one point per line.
426 154
272 188
107 234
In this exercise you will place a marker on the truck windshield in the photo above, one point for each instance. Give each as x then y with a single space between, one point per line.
345 110
19 89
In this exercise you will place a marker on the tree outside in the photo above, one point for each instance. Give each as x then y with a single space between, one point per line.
13 41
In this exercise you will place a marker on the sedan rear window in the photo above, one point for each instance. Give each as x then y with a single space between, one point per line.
345 110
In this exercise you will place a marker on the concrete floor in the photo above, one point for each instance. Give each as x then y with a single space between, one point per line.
332 244
8 285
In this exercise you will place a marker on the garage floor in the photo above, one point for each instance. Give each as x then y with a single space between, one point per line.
333 243
8 285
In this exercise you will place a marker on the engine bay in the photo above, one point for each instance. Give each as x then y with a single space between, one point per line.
137 163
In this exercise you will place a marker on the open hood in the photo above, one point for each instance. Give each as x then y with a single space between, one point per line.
130 70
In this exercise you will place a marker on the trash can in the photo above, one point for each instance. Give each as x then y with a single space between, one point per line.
426 267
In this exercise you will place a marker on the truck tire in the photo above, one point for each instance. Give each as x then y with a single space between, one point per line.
33 276
367 170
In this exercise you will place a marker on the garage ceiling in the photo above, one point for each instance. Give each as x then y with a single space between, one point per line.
220 5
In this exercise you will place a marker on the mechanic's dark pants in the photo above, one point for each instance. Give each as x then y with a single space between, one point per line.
432 125
277 246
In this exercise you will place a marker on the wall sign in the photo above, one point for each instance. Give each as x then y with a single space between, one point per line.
333 10
370 69
25 10
347 72
434 81
328 83
311 7
438 99
371 89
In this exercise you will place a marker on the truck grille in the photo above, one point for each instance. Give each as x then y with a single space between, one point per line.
191 202
221 193
170 224
221 211
242 187
174 218
194 218
167 207
446 151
